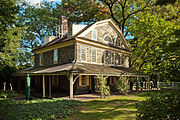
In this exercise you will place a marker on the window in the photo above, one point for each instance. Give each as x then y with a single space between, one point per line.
112 58
55 60
117 59
93 55
108 39
94 34
41 59
83 53
102 56
38 80
108 57
122 59
83 80
55 81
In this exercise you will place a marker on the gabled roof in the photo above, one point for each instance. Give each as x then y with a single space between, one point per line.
83 31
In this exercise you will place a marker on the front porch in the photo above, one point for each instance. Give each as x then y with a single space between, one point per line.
71 79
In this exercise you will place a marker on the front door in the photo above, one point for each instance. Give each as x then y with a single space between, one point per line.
94 84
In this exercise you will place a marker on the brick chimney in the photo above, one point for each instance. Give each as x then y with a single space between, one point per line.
64 25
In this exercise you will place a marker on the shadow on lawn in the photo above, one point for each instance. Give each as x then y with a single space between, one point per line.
110 109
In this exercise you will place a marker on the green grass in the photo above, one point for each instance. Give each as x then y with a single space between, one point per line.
120 107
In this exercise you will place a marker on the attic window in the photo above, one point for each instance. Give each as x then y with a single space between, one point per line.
118 42
108 39
94 34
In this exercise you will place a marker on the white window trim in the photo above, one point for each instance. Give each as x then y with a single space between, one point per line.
104 38
55 62
101 55
81 54
96 55
92 35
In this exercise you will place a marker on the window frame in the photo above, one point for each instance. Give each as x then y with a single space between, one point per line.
87 79
93 35
81 47
55 62
107 41
92 55
102 57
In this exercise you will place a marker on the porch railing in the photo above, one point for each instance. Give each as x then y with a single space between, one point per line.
168 85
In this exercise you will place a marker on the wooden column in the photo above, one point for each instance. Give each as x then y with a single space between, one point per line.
44 90
71 85
50 87
137 84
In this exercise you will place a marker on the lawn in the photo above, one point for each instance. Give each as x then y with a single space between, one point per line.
121 107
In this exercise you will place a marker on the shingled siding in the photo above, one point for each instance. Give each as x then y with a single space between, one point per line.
36 59
66 54
48 58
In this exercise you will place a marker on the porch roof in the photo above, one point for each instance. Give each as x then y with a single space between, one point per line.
81 68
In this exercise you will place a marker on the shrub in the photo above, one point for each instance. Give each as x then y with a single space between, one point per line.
160 106
102 87
122 84
38 109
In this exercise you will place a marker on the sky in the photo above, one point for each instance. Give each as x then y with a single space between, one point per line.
34 2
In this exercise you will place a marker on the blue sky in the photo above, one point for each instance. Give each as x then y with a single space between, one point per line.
34 2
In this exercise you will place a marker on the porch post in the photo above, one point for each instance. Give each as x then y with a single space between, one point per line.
43 82
71 85
148 83
49 86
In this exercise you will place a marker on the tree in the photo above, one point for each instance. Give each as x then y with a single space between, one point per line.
39 20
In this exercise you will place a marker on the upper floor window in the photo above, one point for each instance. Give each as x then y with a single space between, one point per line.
122 60
83 53
102 56
55 60
41 59
94 34
108 39
93 55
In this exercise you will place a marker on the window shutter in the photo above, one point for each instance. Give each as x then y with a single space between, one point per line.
87 80
80 81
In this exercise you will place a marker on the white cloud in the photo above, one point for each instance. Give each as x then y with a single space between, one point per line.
34 2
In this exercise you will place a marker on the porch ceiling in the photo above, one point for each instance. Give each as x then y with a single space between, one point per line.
82 68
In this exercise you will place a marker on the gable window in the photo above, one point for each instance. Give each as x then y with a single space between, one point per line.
41 59
93 55
83 53
83 80
94 34
55 60
108 39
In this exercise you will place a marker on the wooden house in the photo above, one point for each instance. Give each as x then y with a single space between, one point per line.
70 61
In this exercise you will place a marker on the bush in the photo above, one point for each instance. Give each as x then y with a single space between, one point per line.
164 105
122 84
37 109
8 94
102 87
